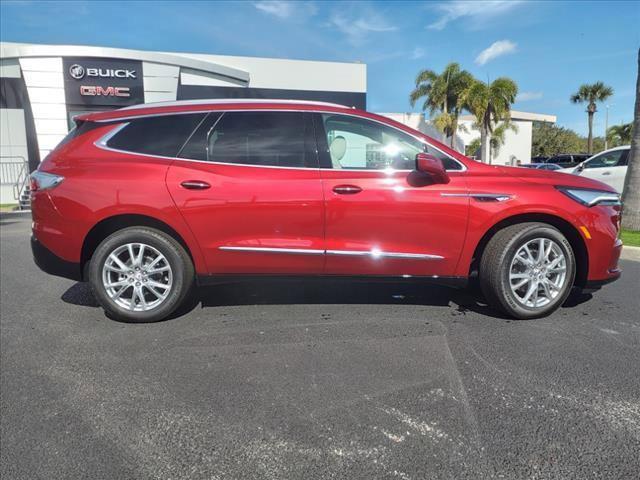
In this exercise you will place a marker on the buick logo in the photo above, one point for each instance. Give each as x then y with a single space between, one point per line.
76 71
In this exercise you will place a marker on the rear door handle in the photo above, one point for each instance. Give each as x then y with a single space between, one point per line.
606 173
347 189
195 185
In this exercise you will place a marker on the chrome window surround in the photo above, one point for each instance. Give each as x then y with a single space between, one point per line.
374 253
102 142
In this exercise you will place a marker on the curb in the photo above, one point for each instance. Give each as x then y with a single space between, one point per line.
630 253
17 213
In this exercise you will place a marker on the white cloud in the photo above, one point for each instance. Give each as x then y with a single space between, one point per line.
417 53
286 9
527 96
477 13
357 29
495 50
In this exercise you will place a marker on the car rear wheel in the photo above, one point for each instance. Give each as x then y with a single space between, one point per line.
140 274
527 270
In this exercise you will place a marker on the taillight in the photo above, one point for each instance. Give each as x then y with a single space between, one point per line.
42 180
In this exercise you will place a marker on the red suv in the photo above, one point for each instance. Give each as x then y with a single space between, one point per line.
145 201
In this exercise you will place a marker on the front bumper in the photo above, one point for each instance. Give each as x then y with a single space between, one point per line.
50 263
595 285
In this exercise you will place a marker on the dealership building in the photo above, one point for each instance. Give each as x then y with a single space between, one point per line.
44 86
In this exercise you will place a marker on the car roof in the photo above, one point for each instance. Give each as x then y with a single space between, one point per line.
185 106
621 147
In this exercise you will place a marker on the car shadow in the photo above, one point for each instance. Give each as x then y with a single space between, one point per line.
313 292
324 292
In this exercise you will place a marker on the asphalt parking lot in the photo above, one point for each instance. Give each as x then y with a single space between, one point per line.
314 380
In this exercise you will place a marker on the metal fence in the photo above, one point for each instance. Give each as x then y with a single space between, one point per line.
12 169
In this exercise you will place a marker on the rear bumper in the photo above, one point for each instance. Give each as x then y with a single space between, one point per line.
50 263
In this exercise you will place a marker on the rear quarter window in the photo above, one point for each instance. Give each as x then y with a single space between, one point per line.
161 135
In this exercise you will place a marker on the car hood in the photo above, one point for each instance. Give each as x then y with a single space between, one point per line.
554 178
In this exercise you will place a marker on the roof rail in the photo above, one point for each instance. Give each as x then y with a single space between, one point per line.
223 101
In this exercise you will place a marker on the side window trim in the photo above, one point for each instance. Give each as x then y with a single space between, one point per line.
317 133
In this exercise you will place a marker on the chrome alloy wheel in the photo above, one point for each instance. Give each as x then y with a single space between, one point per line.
137 277
538 272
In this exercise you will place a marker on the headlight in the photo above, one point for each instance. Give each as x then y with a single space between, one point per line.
591 198
43 180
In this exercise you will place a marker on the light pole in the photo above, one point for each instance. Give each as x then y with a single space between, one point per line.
606 127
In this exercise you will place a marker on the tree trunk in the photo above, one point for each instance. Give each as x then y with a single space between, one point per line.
485 146
590 137
631 191
454 129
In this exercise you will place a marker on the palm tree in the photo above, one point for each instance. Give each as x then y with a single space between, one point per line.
441 93
631 191
591 94
620 134
490 103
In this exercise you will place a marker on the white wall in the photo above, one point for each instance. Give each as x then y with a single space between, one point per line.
45 87
295 74
160 82
516 144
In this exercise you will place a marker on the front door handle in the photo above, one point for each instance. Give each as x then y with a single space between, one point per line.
195 185
606 173
347 189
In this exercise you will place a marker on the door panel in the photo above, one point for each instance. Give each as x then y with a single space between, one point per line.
252 195
382 216
393 226
252 208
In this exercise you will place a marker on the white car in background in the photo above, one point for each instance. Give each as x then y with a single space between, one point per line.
609 167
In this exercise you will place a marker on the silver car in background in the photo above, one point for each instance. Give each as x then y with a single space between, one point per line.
609 167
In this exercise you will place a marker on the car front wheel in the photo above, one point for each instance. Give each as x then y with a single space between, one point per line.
140 274
527 270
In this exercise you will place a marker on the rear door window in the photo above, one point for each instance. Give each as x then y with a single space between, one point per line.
269 138
162 135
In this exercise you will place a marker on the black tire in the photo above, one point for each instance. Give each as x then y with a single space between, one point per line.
496 263
178 259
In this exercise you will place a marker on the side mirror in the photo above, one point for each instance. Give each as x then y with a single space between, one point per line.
432 166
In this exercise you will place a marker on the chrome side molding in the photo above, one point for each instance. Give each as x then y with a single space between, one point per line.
291 251
380 254
374 253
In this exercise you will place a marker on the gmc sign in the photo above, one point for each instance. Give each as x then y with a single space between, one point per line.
98 91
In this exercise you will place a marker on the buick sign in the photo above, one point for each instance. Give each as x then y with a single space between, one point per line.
76 71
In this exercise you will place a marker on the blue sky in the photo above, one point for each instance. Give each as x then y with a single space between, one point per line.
548 48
